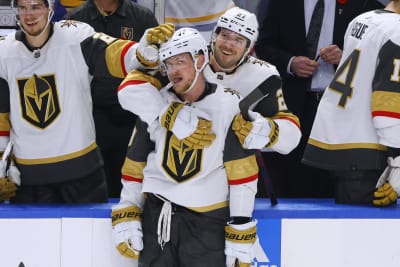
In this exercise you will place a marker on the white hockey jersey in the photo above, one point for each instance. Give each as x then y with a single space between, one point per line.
198 179
251 74
46 106
254 73
358 117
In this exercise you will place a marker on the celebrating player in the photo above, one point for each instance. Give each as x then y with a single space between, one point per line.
191 191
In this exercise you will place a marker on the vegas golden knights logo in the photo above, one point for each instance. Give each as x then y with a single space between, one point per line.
180 162
39 100
126 33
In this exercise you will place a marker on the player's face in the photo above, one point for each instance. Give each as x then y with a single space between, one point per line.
181 72
229 48
33 16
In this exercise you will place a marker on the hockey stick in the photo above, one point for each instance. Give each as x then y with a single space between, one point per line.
6 155
249 103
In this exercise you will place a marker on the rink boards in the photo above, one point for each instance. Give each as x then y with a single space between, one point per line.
294 233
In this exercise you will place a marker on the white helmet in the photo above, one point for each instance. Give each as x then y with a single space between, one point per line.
50 5
239 21
184 40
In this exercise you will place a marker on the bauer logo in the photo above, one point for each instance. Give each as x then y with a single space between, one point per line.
268 253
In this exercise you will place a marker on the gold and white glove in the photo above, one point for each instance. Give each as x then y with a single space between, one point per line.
147 51
127 231
187 125
9 175
258 133
201 137
240 244
388 185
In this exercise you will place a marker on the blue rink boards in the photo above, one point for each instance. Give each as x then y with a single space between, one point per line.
269 217
286 208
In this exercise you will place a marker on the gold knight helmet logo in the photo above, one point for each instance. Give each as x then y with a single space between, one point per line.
179 162
39 100
126 33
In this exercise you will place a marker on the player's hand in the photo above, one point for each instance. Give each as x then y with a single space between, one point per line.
240 243
147 51
9 180
202 136
127 231
388 185
160 34
188 125
256 134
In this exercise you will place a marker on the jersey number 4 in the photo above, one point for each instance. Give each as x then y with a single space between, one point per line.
342 81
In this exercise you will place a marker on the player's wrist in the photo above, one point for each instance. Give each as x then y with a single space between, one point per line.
239 220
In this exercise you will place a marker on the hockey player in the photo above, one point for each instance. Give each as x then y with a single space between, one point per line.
46 108
232 65
356 129
190 193
271 127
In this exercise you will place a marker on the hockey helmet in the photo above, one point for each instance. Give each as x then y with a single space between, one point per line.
184 40
239 21
48 3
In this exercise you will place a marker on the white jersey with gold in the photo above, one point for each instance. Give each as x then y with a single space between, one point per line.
253 73
358 117
198 171
49 91
199 179
49 97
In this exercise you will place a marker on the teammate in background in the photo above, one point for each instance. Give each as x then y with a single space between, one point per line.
232 65
120 19
46 108
356 130
191 194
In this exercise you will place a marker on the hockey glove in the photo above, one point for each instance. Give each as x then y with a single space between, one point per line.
9 179
256 134
240 244
147 51
127 231
201 137
185 122
388 185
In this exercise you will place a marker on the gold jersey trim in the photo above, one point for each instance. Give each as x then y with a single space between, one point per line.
5 122
210 207
196 19
114 56
345 146
241 168
385 101
136 75
59 158
133 168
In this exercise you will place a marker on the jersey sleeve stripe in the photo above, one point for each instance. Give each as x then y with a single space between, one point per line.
132 179
127 83
386 114
243 180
